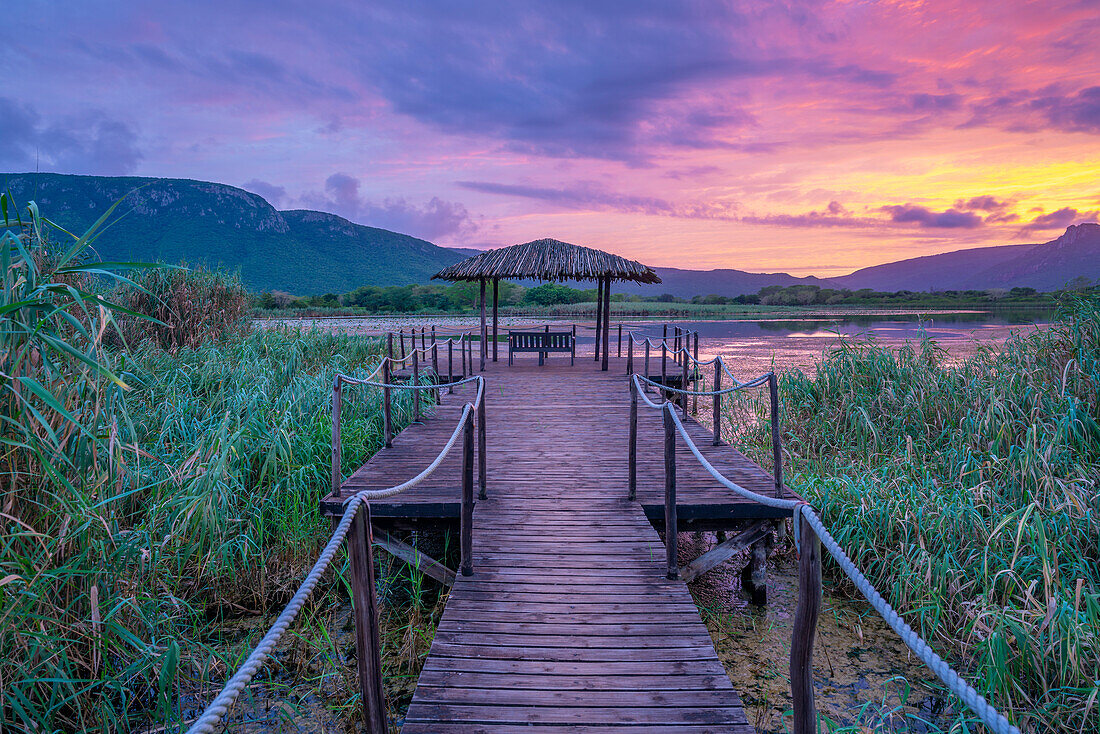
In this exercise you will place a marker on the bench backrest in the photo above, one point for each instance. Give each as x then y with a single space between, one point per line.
540 340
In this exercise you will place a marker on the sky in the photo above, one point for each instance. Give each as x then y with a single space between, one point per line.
803 137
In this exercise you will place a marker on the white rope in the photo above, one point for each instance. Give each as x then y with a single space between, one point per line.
954 682
217 709
755 382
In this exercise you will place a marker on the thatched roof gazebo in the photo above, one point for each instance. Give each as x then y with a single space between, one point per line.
550 260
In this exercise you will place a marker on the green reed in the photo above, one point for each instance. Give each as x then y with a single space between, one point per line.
147 496
968 493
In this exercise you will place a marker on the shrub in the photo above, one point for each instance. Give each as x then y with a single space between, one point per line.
192 305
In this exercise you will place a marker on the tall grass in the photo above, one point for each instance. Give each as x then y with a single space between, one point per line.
968 493
146 494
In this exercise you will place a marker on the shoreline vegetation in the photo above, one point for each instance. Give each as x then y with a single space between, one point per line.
553 300
161 485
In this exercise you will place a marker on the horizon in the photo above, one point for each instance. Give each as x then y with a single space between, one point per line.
812 140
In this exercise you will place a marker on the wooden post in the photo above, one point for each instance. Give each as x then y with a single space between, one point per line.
606 322
401 334
573 354
423 339
435 355
337 403
630 353
670 495
716 416
415 382
664 369
462 354
777 446
470 357
368 642
694 370
632 456
599 318
496 296
481 462
450 365
805 628
684 385
466 520
620 338
484 328
389 344
387 410
647 360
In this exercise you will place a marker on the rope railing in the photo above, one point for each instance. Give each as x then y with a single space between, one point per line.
810 532
354 526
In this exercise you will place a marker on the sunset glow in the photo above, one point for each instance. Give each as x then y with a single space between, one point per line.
812 138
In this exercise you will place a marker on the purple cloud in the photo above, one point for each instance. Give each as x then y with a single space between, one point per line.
1060 219
274 195
950 219
93 143
437 219
589 195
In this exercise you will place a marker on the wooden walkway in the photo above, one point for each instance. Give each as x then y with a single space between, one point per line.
568 622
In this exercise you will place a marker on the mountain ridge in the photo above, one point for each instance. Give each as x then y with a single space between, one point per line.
304 251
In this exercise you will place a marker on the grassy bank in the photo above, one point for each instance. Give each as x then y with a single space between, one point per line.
150 495
969 495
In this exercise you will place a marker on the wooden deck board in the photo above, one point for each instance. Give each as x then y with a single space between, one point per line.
568 622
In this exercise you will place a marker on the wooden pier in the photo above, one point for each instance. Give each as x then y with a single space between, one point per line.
569 621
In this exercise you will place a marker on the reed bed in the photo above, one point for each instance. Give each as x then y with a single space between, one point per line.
968 492
148 496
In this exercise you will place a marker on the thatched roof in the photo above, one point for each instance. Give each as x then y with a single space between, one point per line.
548 259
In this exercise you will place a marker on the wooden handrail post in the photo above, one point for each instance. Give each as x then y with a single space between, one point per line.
337 403
777 446
632 456
470 356
423 338
389 344
481 459
664 369
684 386
620 338
435 353
716 416
630 353
647 361
671 550
466 520
573 353
368 642
805 628
450 365
401 335
415 382
387 410
694 369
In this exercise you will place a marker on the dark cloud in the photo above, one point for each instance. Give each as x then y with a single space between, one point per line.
950 219
589 195
985 203
434 220
935 102
274 195
90 144
834 215
603 80
1035 110
1060 219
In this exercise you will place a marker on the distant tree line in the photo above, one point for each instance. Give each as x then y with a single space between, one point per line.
463 297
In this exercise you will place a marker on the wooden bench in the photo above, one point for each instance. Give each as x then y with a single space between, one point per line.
542 342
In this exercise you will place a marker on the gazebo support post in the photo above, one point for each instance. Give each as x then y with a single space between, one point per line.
606 320
496 298
484 330
599 318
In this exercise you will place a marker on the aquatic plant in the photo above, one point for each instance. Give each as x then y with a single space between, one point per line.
145 495
969 492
